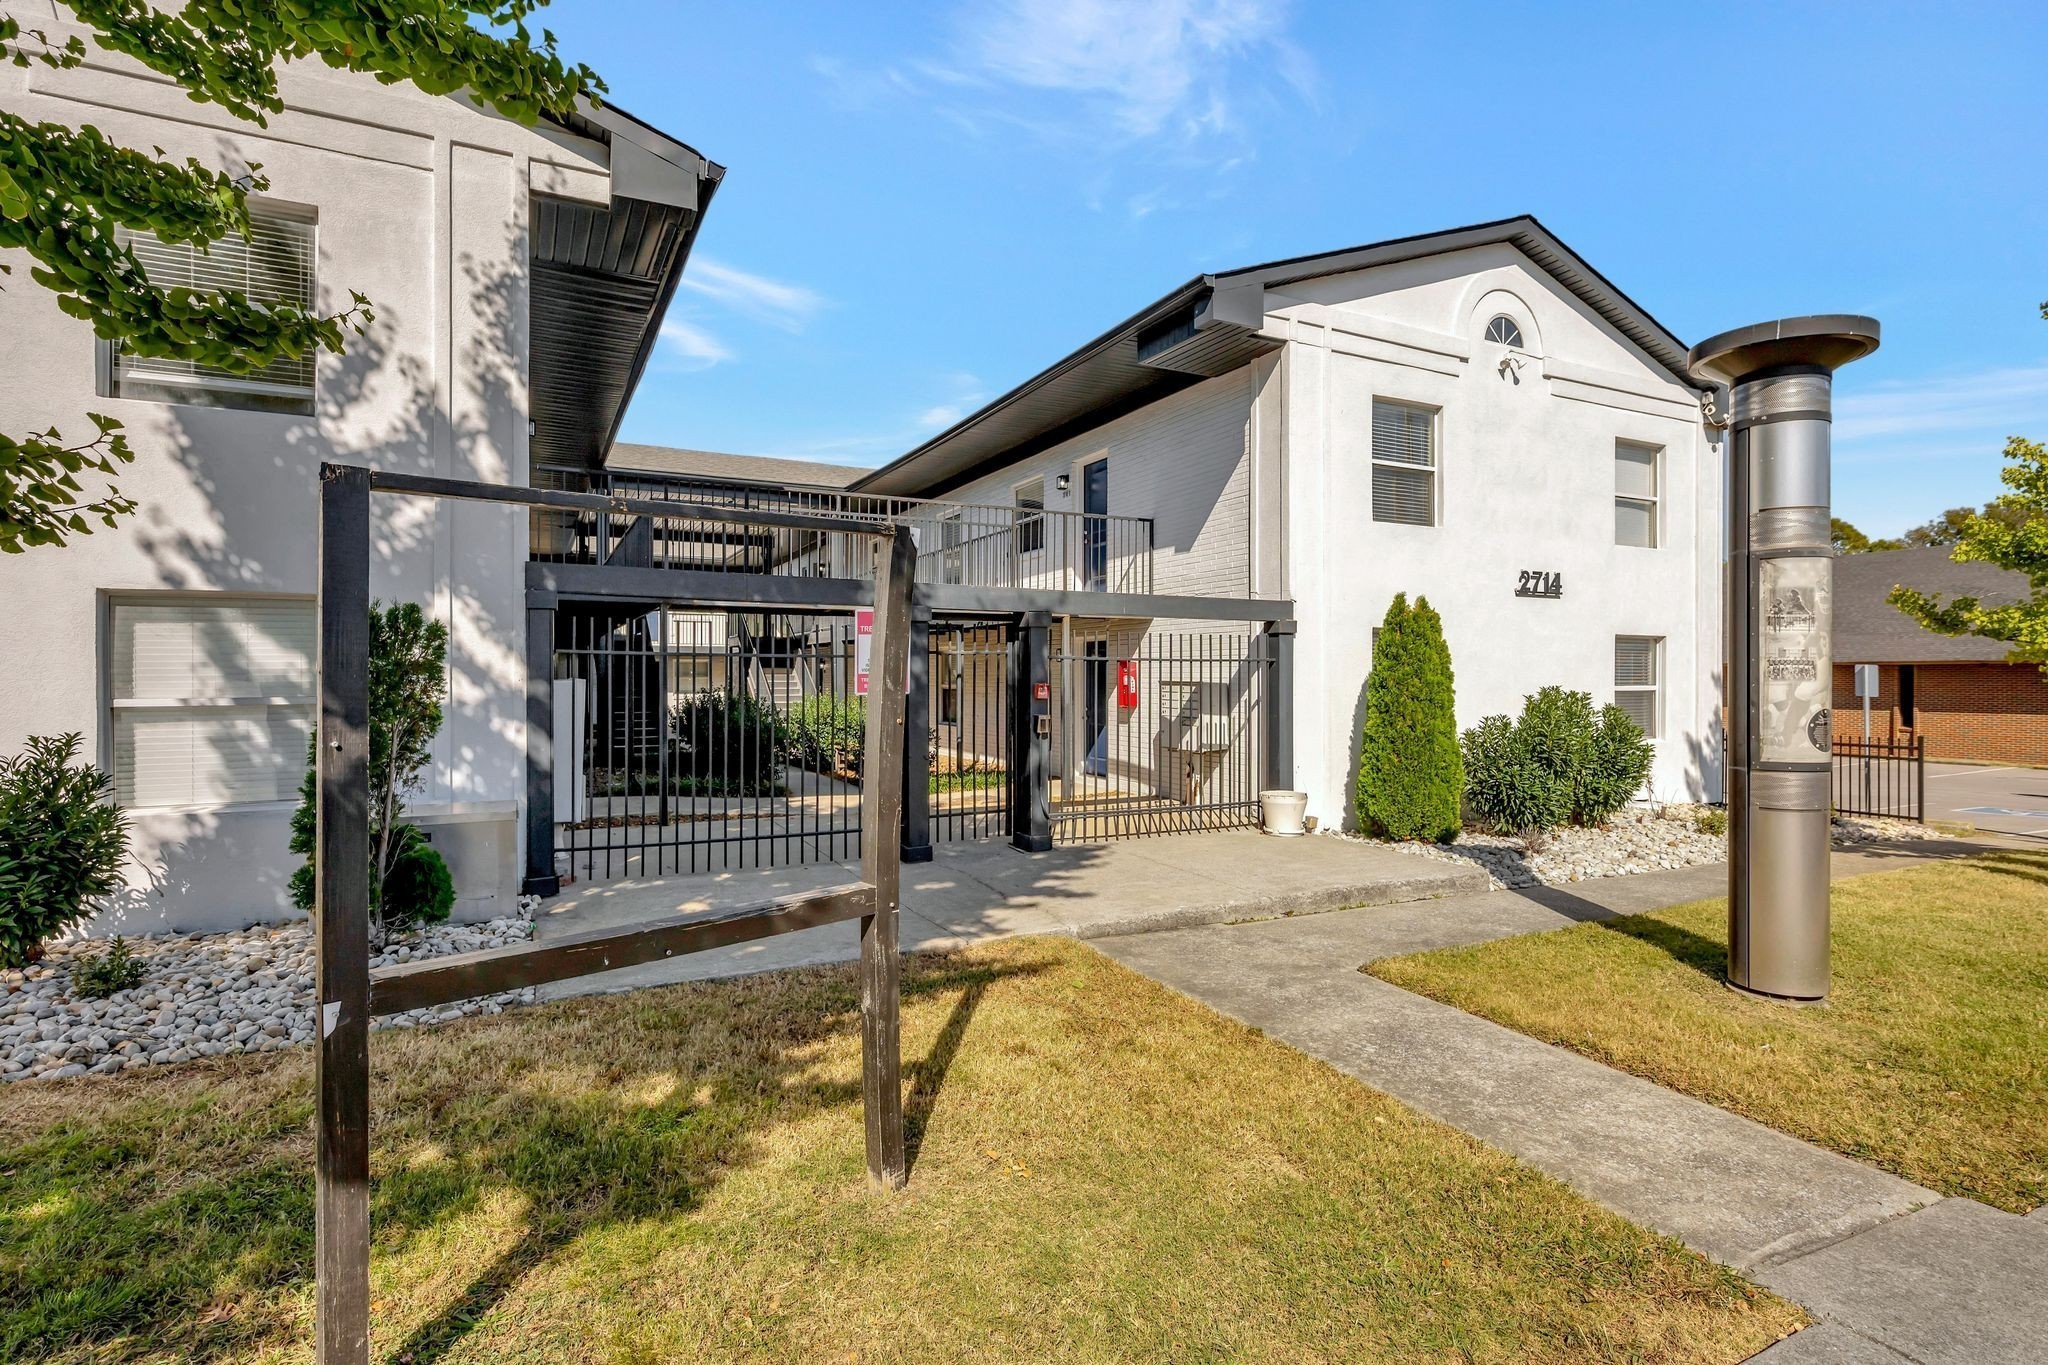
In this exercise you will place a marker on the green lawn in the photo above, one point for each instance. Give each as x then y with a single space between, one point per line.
1103 1171
1930 1058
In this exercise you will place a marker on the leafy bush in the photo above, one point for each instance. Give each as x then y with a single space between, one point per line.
1506 788
1410 770
1560 762
828 734
62 840
111 972
1617 760
727 743
1711 820
419 888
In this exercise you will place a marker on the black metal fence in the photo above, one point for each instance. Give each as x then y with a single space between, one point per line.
1881 777
691 741
1157 733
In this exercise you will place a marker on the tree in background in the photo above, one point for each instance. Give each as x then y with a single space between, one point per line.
2011 532
1850 541
1411 776
66 194
409 881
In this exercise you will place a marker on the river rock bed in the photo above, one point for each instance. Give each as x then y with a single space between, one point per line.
1639 839
204 995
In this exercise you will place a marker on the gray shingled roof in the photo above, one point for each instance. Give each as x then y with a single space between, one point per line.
1869 630
712 464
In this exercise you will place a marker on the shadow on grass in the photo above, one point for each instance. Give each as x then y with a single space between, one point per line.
1705 955
125 1240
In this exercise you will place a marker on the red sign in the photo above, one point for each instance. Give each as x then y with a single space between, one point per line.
863 648
1127 683
1041 691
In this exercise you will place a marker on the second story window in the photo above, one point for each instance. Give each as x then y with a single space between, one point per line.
274 264
1505 331
1403 463
1635 494
1030 521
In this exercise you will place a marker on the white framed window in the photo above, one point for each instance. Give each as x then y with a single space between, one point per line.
1030 497
1403 463
1504 331
1638 670
1637 471
210 699
276 263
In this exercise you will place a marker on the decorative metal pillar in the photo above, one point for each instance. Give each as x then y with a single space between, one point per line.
1780 658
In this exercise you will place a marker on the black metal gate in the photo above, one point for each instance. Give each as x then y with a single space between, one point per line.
968 689
1880 777
696 739
1156 732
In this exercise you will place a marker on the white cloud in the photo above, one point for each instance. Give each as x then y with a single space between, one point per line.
2013 400
966 394
1155 66
776 302
689 347
1097 74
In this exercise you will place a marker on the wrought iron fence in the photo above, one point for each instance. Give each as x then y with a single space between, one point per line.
1157 733
1881 777
963 544
967 688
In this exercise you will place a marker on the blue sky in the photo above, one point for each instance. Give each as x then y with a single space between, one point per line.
926 204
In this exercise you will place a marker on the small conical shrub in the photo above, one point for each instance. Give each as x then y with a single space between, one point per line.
1411 775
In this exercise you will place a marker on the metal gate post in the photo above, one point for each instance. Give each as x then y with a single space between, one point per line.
1030 733
341 916
541 878
881 813
1278 704
917 728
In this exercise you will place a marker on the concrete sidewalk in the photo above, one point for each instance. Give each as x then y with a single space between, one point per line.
1953 1282
976 891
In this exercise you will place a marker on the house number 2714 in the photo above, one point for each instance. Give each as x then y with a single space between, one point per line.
1540 583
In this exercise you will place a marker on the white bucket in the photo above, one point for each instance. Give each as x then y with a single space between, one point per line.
1280 813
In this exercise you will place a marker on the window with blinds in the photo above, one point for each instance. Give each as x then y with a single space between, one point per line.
1030 521
1403 463
1635 494
211 700
1636 689
274 264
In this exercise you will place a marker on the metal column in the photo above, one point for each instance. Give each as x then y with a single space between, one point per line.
1780 660
1278 706
917 781
1031 738
541 878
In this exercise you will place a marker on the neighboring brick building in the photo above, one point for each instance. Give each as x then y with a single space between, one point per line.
1957 693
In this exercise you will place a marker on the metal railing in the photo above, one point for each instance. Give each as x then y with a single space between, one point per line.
1881 777
963 544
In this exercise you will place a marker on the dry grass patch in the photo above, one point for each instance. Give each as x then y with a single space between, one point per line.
1103 1171
1928 1059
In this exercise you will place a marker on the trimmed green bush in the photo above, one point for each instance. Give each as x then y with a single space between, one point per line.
419 888
1617 761
725 744
62 840
828 734
1410 770
1560 762
1506 788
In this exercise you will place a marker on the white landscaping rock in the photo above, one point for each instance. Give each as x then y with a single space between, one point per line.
1640 839
206 995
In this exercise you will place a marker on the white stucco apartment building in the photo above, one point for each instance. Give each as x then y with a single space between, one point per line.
1475 416
518 275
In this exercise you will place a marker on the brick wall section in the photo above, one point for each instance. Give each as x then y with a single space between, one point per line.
1988 712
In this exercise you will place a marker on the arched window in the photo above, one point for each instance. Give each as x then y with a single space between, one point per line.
1503 329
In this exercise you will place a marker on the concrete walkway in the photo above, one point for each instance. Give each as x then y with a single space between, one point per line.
976 891
1952 1282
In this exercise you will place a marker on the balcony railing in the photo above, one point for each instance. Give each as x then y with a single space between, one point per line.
963 544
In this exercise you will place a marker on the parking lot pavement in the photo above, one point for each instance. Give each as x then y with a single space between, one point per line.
2011 801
